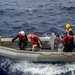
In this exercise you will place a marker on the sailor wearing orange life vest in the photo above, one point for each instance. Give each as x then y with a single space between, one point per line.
35 41
22 39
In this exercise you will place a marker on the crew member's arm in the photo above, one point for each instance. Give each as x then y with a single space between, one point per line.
39 41
15 38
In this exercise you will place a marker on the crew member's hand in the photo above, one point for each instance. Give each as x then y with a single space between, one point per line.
40 46
12 40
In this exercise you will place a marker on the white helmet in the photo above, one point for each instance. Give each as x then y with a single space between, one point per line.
22 33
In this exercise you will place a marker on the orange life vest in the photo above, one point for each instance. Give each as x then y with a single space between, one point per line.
35 39
66 39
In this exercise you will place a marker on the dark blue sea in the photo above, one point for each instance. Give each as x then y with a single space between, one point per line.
39 17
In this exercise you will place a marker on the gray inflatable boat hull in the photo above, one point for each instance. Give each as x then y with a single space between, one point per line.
37 56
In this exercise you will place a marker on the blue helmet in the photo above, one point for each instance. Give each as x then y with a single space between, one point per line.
64 33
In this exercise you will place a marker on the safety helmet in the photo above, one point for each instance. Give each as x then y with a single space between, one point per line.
64 33
30 36
67 26
22 33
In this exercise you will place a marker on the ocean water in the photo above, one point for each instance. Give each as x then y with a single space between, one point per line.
39 17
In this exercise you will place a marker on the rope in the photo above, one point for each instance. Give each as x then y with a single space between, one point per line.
57 54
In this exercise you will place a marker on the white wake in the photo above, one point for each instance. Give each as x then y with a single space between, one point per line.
29 68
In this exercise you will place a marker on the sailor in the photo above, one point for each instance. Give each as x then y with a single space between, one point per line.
36 42
67 42
22 40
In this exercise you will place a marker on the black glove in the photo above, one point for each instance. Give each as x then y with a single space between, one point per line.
12 40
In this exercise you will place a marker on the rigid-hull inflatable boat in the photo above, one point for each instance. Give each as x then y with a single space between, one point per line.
46 54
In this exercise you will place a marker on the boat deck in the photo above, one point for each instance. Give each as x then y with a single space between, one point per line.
6 42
